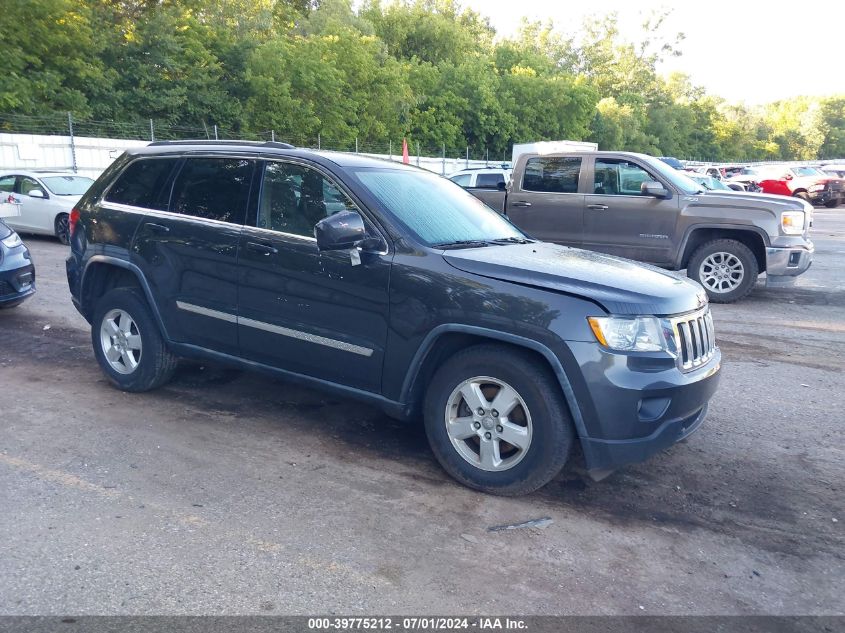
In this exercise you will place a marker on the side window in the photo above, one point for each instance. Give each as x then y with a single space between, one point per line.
619 178
28 184
294 198
142 184
552 175
491 181
213 189
462 179
7 183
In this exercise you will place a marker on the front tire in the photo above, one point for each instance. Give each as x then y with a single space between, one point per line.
127 342
61 227
496 420
832 204
727 270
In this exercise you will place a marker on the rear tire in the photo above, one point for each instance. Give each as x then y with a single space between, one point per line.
727 270
61 227
832 204
127 342
469 435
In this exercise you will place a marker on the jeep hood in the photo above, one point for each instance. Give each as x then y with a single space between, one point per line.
621 286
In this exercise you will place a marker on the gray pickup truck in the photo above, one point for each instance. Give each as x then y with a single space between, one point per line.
636 206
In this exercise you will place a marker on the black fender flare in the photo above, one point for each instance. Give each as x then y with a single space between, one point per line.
748 228
142 281
520 341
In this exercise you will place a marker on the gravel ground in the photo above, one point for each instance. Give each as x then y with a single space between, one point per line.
230 493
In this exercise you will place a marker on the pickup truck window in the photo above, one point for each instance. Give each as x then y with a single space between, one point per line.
614 177
434 209
462 179
552 174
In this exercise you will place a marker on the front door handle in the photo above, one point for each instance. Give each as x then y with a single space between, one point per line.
264 249
157 228
520 203
597 207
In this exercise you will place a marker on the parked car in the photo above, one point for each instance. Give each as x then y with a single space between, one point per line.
482 177
637 207
415 298
714 184
748 177
807 183
46 199
837 170
17 273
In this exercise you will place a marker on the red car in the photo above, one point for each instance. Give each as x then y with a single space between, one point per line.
808 183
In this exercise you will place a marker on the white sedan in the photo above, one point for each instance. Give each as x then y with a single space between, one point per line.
45 200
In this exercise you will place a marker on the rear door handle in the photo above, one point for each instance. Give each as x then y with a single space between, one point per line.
597 207
158 228
520 203
264 249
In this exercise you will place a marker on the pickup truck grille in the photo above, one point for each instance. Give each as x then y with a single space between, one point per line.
695 339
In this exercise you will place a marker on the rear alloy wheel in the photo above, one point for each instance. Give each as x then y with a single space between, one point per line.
727 270
497 421
62 228
127 342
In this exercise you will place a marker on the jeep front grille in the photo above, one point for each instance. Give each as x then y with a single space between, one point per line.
695 339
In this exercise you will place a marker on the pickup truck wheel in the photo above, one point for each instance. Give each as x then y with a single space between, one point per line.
497 422
127 342
832 204
727 270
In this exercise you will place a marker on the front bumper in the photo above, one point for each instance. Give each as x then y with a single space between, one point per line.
784 264
638 406
17 276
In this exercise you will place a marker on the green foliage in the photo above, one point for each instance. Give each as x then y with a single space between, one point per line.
427 70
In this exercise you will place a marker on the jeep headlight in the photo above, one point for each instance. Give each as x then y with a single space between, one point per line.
630 334
12 241
792 222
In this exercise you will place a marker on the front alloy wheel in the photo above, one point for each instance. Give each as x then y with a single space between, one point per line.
721 272
488 423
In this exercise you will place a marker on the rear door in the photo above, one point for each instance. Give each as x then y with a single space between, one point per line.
321 314
546 202
620 220
188 251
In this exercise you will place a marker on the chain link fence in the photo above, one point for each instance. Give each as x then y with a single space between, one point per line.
151 130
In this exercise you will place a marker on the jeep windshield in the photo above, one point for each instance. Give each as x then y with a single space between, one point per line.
436 211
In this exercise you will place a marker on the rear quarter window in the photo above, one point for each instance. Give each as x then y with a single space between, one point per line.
552 174
142 184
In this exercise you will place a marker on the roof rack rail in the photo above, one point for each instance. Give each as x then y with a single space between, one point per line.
203 141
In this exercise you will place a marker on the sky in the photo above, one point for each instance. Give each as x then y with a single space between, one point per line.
747 51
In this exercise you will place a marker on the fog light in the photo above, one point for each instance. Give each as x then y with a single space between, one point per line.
794 259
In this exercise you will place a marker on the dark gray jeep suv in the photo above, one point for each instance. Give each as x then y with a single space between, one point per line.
390 284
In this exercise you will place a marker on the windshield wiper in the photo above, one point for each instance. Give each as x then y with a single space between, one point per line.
461 244
512 240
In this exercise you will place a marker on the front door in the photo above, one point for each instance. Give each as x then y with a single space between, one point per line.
546 204
321 314
620 220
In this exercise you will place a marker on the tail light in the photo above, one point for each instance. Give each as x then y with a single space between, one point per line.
72 220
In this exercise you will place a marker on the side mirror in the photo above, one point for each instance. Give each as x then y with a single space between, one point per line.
36 193
340 232
654 188
501 186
